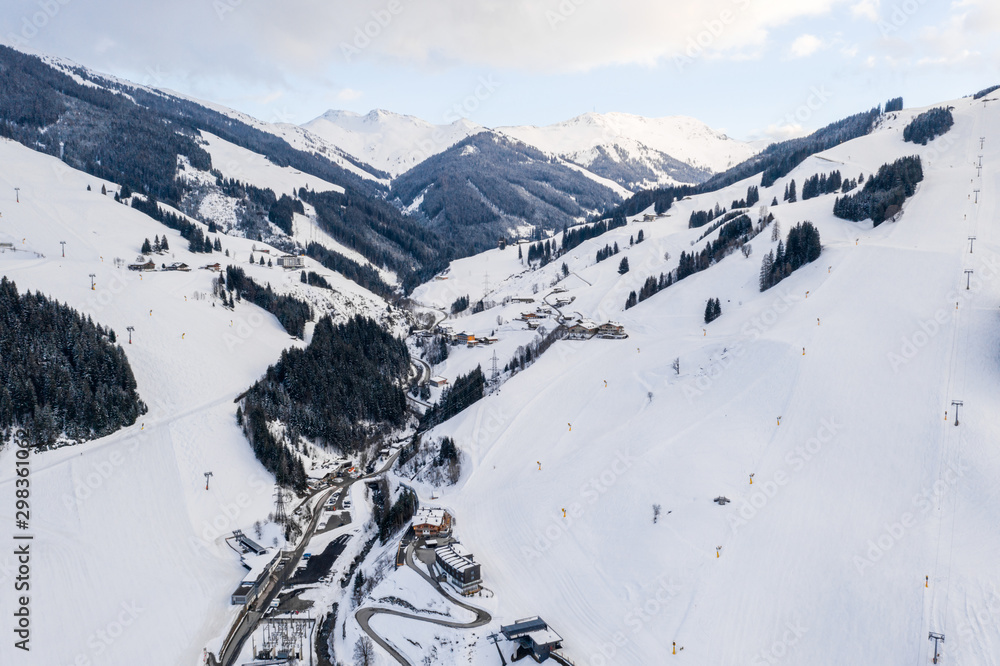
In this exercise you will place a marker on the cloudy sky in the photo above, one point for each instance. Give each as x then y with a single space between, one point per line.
752 68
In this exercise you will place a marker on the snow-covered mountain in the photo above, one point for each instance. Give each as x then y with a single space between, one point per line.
635 151
832 389
389 141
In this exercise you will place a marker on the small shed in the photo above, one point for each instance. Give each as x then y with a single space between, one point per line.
438 381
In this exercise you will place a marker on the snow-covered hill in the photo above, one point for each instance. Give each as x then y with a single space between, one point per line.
635 151
389 141
833 389
129 560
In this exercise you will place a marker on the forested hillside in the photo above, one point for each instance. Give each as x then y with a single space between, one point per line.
342 391
484 186
61 374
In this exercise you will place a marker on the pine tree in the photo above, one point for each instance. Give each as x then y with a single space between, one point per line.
774 201
164 245
146 247
766 267
791 192
156 244
623 266
218 245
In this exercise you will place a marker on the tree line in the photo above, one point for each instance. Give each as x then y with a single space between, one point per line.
61 374
803 247
883 194
291 313
342 391
928 125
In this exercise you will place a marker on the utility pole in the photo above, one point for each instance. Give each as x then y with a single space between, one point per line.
63 243
982 140
280 516
17 194
976 192
92 286
968 279
979 171
495 377
956 404
208 475
972 241
980 165
937 638
130 329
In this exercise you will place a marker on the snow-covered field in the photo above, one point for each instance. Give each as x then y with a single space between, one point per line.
862 490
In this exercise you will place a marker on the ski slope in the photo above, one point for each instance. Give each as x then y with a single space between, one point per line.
129 561
862 490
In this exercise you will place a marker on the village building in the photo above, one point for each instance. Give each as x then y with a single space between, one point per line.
142 264
534 637
460 568
428 521
291 262
611 329
583 329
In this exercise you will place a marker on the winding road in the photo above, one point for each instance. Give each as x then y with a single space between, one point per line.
364 615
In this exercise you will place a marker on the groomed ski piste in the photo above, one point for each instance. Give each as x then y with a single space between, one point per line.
129 560
862 490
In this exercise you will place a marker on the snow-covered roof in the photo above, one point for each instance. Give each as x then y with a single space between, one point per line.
430 516
459 559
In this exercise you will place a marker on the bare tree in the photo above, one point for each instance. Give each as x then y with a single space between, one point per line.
364 652
656 513
676 365
776 231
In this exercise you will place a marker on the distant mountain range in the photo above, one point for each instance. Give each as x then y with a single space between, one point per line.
631 151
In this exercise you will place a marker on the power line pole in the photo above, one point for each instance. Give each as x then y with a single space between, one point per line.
976 192
495 377
63 243
208 475
972 241
982 141
280 516
956 404
968 279
17 194
130 329
92 285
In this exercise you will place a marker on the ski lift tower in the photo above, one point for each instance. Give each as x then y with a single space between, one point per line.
957 404
937 638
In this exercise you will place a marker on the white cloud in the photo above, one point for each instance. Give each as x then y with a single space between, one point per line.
866 9
349 94
261 40
805 45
